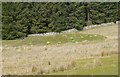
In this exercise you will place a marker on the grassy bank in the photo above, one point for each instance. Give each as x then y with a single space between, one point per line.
55 39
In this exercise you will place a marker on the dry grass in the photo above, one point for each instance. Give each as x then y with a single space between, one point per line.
95 63
52 58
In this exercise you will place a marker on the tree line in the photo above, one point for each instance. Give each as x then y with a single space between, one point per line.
22 18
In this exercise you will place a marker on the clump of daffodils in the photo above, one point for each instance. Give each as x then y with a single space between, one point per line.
71 38
90 36
59 42
85 41
81 36
48 42
30 43
95 35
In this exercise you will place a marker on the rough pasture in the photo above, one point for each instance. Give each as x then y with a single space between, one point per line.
23 58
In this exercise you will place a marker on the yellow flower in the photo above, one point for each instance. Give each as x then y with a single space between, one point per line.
48 42
71 38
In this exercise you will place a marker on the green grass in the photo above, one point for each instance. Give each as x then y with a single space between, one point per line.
55 39
109 67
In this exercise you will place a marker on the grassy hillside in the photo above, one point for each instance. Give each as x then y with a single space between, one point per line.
89 52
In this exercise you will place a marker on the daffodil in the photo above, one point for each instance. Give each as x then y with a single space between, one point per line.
48 42
71 38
